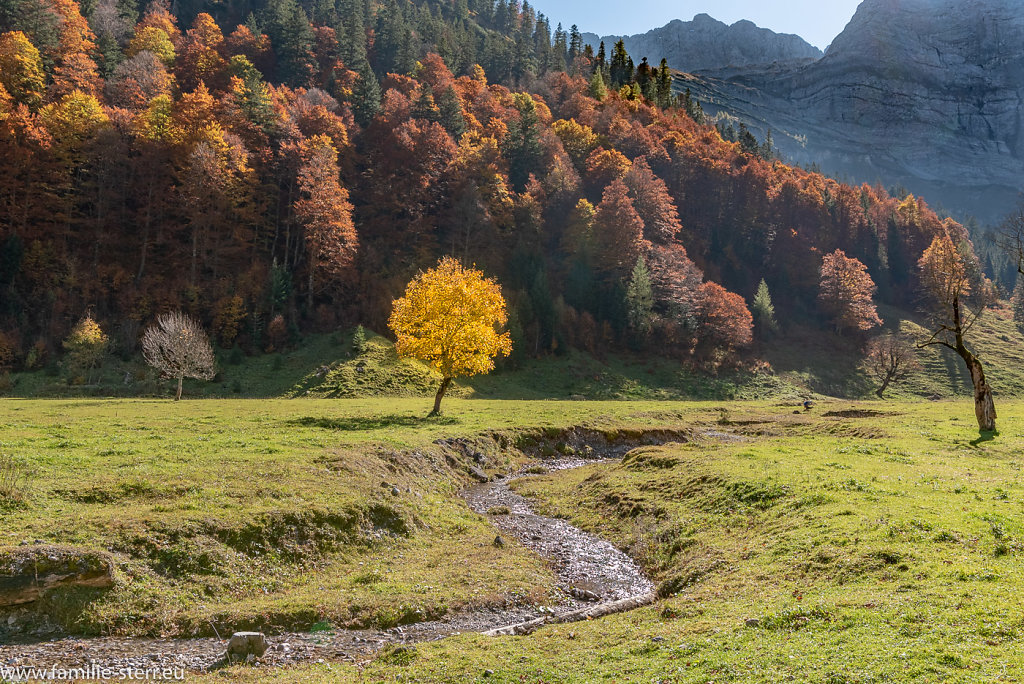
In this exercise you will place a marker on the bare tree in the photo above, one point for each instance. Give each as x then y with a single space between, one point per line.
177 346
891 359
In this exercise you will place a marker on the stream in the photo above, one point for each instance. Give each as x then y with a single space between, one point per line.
594 579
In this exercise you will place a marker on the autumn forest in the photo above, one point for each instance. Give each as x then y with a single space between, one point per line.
276 167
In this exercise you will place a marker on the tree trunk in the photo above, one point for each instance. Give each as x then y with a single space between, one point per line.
885 385
177 397
439 396
309 293
984 405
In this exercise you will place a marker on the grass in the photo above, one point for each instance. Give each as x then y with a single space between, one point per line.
276 514
859 543
803 361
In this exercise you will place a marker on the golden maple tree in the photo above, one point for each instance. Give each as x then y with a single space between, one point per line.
449 317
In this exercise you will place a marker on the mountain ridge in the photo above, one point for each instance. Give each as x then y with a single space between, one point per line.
925 94
706 43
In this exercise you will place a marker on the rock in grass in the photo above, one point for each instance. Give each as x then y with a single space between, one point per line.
499 542
478 474
244 645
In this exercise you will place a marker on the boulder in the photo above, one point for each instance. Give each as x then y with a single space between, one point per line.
246 645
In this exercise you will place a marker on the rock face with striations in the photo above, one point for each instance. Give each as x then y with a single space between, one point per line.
922 93
706 43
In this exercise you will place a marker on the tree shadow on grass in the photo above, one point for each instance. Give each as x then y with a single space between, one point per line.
985 436
361 423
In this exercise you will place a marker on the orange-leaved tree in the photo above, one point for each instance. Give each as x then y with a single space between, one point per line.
954 307
450 318
846 291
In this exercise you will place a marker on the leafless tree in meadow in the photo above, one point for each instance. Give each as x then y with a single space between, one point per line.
891 359
178 347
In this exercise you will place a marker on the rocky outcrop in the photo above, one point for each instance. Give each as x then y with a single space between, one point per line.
706 43
922 93
26 573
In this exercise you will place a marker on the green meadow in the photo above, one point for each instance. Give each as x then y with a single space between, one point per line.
858 542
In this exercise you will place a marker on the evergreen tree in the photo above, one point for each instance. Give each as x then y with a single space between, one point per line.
450 113
542 45
522 144
598 91
768 151
621 69
561 48
351 32
748 143
692 107
291 36
664 90
646 80
392 40
601 62
764 311
640 300
575 43
366 96
425 107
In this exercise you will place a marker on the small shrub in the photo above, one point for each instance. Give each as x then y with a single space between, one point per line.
276 334
36 355
359 340
13 480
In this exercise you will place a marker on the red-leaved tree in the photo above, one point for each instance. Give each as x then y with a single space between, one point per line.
846 292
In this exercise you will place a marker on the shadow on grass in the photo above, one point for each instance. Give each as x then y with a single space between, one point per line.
360 423
985 436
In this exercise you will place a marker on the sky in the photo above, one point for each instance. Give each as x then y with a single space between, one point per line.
816 21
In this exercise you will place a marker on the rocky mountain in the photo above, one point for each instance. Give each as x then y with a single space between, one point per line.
706 43
922 93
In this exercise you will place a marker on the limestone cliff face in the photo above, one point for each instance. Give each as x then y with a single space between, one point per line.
923 93
706 43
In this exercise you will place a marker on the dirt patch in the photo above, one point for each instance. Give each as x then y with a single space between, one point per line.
858 413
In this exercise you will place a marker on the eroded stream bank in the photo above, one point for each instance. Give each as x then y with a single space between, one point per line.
594 579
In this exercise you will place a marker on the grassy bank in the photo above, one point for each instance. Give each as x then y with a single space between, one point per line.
861 543
276 514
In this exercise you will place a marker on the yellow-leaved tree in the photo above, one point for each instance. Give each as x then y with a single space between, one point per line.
450 317
85 347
